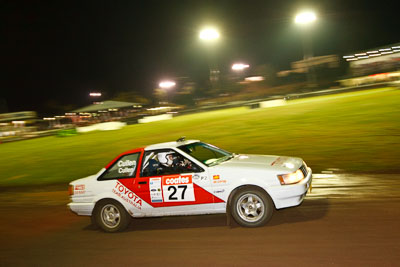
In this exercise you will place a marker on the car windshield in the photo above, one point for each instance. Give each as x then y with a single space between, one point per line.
207 154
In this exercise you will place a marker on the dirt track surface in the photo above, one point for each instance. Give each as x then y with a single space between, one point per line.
347 220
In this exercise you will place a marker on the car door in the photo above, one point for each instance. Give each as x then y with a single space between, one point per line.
183 188
118 180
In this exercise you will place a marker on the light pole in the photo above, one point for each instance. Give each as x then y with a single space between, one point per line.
210 36
305 19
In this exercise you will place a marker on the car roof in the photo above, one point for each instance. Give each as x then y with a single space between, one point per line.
170 144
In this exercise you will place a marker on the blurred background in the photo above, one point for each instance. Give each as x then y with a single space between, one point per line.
83 81
223 71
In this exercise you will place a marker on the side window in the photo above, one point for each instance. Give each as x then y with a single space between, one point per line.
124 167
164 162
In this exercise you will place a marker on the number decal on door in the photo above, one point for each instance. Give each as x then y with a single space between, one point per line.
174 190
178 188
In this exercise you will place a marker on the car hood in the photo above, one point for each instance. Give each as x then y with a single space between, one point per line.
272 163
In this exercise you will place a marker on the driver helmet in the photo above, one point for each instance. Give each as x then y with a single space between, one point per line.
164 158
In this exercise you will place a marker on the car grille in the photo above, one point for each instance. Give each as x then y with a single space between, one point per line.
303 169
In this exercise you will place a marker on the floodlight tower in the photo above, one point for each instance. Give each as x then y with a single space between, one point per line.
305 20
167 85
210 36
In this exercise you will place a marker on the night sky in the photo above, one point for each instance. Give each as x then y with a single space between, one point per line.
53 53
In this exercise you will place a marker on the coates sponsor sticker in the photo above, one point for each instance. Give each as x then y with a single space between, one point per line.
127 195
177 188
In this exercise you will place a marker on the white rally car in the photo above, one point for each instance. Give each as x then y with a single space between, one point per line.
188 178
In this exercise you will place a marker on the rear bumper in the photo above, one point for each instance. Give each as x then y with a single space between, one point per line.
85 209
290 195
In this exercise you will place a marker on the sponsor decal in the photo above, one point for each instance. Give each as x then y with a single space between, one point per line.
219 191
201 178
127 195
219 182
204 178
177 179
279 161
155 190
177 188
79 189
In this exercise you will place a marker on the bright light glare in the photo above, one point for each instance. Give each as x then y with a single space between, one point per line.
239 66
209 34
254 79
166 84
158 108
95 94
305 17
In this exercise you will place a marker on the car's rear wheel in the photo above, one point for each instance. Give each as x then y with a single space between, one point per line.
251 207
111 216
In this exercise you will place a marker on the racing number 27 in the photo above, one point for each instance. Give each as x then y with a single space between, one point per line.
175 190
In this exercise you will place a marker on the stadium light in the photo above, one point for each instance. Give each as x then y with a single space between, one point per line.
239 66
305 17
95 94
209 34
167 84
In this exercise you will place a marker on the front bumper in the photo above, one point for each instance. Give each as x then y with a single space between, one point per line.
85 209
290 195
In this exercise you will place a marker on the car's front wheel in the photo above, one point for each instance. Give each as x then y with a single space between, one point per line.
251 207
111 216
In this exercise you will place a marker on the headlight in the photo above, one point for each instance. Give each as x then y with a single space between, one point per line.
291 178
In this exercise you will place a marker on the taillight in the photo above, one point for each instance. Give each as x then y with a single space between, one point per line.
71 190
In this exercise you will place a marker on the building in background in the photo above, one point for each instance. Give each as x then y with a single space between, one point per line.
370 66
17 125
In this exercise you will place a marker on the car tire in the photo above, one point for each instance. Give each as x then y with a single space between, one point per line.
110 216
251 207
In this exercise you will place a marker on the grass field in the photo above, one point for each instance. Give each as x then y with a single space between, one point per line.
356 132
